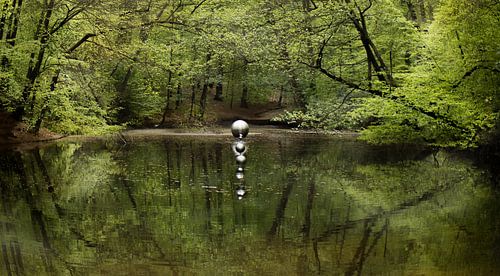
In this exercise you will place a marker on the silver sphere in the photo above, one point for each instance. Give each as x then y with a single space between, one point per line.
240 147
240 159
240 129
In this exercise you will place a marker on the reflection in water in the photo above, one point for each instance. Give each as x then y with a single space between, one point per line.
310 206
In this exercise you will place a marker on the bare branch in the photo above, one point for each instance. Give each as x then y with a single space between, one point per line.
80 42
197 6
471 71
69 16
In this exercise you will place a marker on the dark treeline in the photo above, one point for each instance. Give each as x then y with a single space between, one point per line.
420 71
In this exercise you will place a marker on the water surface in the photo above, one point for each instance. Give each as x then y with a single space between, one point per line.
312 205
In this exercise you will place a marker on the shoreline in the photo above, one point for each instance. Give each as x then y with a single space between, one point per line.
27 140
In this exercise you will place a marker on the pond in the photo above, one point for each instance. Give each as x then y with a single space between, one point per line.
312 205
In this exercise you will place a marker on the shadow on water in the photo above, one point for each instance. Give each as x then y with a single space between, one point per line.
312 206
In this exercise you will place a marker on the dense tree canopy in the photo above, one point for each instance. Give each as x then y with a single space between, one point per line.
420 71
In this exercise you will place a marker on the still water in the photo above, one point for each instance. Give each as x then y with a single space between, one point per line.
312 205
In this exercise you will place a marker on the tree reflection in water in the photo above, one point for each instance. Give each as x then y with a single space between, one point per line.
315 206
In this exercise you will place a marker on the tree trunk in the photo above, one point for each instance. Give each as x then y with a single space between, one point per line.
309 6
204 91
169 95
178 98
412 14
280 99
35 66
14 22
244 92
193 98
218 87
53 84
203 100
244 96
372 54
298 95
123 114
369 77
423 17
3 18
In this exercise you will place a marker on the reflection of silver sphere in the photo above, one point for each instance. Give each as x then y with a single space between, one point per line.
240 192
240 159
240 147
239 129
240 175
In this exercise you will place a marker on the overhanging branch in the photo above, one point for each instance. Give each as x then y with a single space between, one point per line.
471 71
400 99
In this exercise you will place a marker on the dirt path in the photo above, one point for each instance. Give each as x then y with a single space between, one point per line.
259 114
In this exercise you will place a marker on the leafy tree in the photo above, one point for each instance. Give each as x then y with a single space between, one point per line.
455 77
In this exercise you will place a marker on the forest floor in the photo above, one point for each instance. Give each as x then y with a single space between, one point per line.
259 114
14 132
221 114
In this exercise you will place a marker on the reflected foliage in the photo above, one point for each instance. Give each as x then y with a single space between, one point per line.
313 206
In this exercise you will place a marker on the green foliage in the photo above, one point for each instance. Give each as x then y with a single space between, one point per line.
455 78
433 63
330 114
9 91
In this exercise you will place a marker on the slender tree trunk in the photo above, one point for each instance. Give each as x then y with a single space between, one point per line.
423 17
3 29
178 98
124 113
3 18
372 53
280 99
244 92
14 22
193 98
244 96
53 84
309 6
218 91
369 77
411 15
42 33
204 91
169 95
203 100
218 87
430 11
231 87
298 95
462 55
169 89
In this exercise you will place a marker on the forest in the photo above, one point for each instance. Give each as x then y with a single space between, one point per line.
397 71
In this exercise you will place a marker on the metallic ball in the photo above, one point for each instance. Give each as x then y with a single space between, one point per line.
240 129
240 159
240 147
